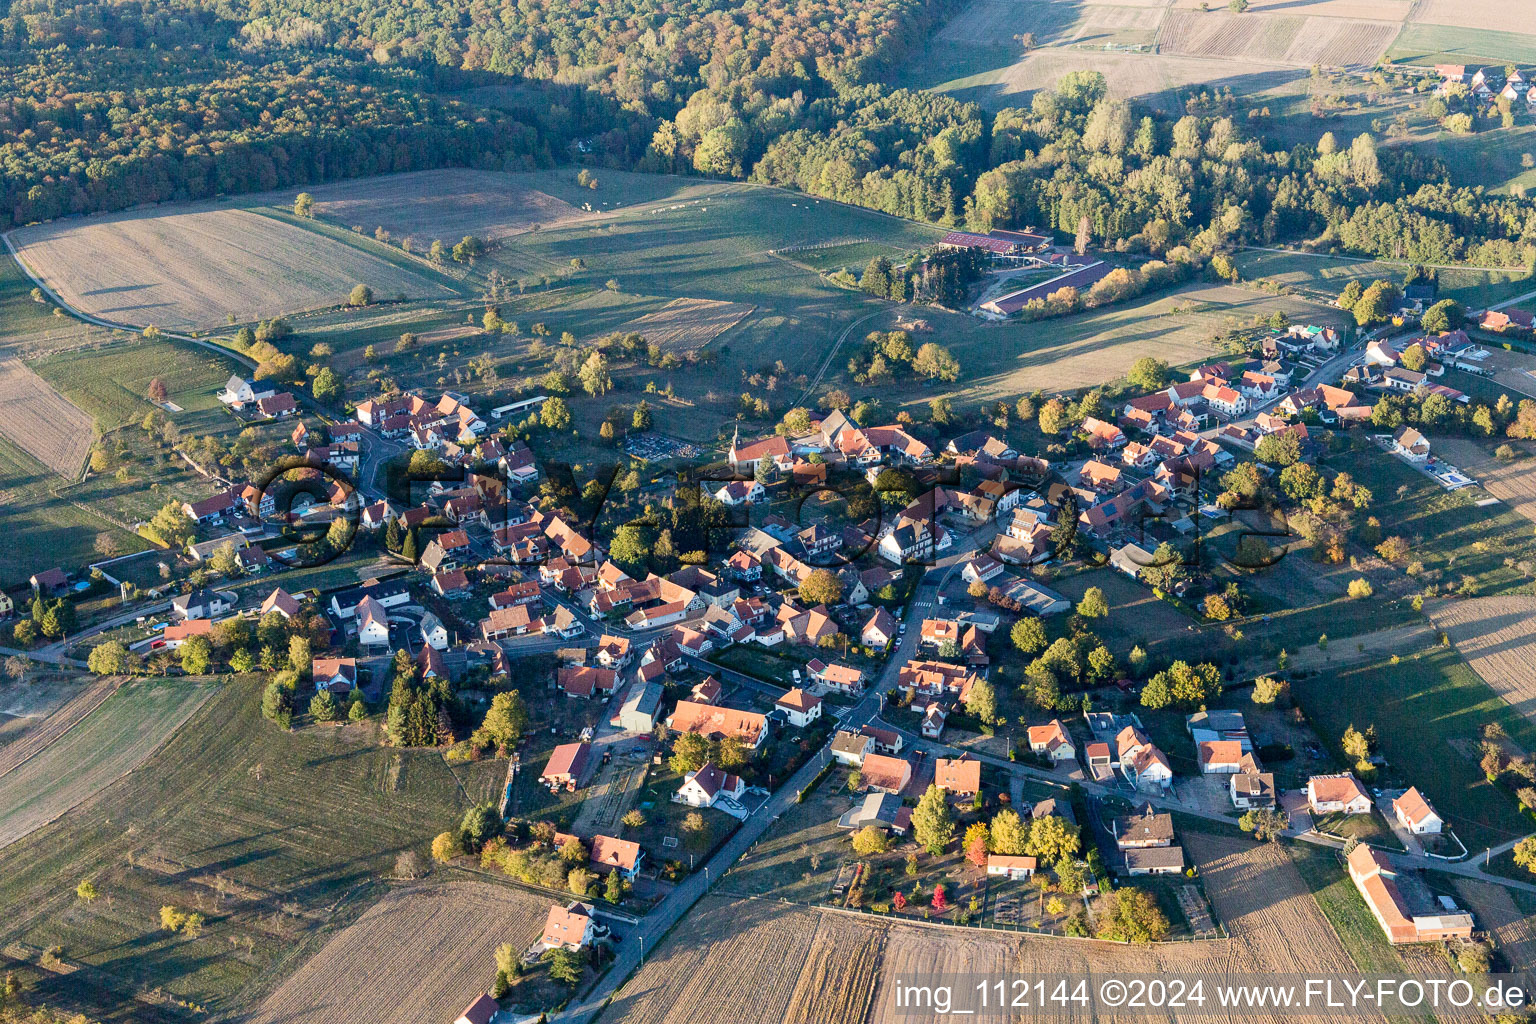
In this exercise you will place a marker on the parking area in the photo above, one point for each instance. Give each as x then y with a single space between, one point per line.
1208 793
656 447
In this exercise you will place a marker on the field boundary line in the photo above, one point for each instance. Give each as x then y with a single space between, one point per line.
870 915
1372 259
222 350
213 685
108 691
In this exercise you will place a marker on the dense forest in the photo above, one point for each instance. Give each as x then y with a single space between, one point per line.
105 106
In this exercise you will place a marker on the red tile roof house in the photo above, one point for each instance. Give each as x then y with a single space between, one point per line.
1337 794
1220 757
1052 741
484 1007
887 741
937 632
887 774
179 633
934 717
958 776
1100 476
587 682
1382 888
282 602
800 708
713 722
1101 434
843 678
879 630
621 855
568 766
338 675
566 928
1414 813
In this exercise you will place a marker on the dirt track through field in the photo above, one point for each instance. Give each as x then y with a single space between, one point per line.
42 422
58 723
1497 637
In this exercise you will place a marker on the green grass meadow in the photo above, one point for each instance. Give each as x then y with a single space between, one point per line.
278 838
1428 711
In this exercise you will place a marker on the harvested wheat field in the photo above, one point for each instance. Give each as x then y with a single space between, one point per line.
736 961
1497 637
446 204
1513 483
1285 39
418 956
42 422
1267 908
688 324
913 951
1496 912
188 266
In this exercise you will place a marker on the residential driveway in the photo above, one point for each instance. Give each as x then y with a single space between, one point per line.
1294 803
1408 839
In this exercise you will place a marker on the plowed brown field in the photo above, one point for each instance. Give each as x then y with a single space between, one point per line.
418 956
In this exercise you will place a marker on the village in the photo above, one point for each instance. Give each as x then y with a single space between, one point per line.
663 722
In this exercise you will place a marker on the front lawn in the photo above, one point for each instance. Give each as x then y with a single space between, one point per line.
1429 711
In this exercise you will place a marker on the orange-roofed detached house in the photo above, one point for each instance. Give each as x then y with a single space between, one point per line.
282 602
179 633
621 855
717 723
565 928
1101 434
1010 866
1100 476
1220 757
960 776
1414 813
1337 794
800 708
884 773
1052 741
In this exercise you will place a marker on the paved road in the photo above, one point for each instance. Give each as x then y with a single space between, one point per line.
1468 868
658 922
